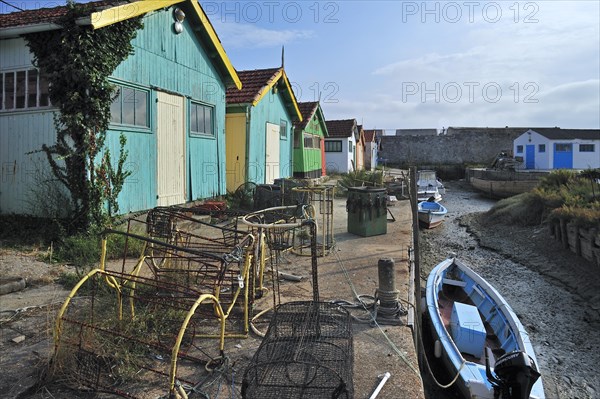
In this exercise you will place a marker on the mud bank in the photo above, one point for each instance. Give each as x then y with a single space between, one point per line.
554 293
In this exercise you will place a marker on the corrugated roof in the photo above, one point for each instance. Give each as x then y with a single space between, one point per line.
307 109
253 83
341 128
104 13
370 135
46 15
557 133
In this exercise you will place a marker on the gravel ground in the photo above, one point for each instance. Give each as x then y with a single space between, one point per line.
554 293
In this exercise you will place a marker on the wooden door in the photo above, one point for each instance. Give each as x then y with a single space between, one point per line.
170 142
272 153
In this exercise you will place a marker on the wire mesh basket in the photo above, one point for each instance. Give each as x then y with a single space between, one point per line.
306 353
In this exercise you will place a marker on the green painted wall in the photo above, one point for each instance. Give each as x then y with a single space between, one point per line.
308 159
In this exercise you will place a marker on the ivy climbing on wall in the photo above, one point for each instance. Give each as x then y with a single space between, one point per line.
78 61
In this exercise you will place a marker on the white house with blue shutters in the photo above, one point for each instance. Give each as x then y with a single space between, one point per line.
556 148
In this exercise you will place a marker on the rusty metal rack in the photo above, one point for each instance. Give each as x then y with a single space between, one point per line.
277 228
319 203
307 353
307 350
134 336
125 331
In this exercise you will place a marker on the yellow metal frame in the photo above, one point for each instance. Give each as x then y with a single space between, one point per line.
175 352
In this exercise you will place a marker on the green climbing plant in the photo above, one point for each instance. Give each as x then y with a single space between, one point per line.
78 61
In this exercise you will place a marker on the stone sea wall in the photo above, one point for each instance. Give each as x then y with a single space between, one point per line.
581 241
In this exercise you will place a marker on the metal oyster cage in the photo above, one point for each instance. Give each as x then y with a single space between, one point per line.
306 353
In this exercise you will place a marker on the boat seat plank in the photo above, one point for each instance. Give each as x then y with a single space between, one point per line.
456 283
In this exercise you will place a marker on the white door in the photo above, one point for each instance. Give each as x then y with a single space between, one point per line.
272 154
170 141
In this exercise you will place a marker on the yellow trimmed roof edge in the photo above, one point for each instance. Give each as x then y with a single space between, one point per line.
293 96
265 89
123 12
217 43
278 75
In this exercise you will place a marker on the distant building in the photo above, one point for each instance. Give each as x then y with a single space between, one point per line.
416 132
340 145
372 139
556 148
509 131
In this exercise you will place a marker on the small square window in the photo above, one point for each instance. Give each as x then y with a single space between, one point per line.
519 149
283 129
542 148
201 119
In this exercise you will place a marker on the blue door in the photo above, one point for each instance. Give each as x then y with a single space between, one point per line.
530 156
563 156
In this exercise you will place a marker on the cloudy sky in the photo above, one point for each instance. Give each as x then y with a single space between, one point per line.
392 64
425 64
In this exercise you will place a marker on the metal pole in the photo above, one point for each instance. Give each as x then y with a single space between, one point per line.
416 249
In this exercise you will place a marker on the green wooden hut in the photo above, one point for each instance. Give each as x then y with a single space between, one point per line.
309 141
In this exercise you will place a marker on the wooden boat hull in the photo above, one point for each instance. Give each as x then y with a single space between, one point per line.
432 217
504 183
503 188
503 331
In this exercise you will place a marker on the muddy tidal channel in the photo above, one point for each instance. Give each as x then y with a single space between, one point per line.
564 326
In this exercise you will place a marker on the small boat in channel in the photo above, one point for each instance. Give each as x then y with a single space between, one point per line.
431 214
478 337
429 186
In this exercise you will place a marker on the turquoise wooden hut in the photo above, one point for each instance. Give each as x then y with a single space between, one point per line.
309 143
259 125
171 104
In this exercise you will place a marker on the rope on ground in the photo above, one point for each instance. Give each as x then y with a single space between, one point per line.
373 319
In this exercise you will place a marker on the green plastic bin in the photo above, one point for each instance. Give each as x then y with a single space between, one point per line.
367 211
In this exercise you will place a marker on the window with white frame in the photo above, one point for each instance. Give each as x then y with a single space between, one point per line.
542 148
201 119
23 89
130 107
586 148
519 149
283 129
312 141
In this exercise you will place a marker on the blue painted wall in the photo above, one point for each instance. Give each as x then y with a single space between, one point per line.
178 64
270 109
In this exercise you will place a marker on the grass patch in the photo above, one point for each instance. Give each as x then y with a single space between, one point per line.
84 250
562 195
24 231
525 209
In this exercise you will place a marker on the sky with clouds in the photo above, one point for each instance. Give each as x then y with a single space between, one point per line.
425 64
392 64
